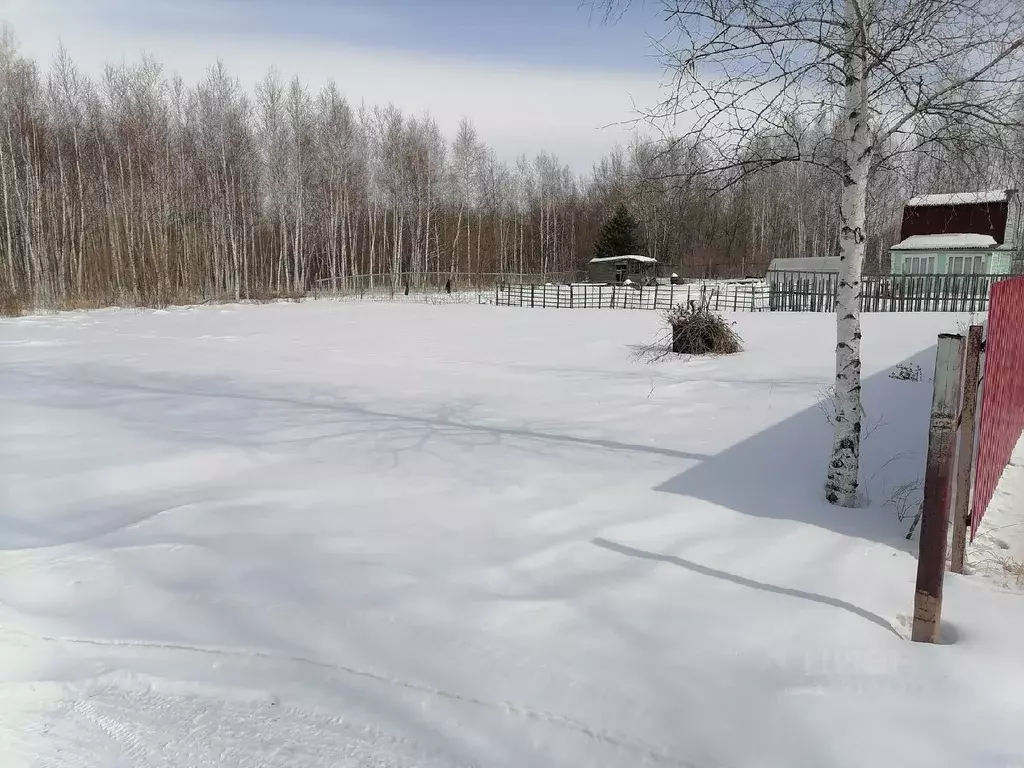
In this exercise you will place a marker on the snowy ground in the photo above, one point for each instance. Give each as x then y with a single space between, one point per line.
997 552
348 534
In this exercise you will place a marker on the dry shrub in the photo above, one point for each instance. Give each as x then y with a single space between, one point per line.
1014 570
906 372
11 305
1002 568
79 303
696 330
263 295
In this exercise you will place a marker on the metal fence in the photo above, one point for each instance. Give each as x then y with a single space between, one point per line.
409 283
720 296
390 294
1002 392
780 291
816 292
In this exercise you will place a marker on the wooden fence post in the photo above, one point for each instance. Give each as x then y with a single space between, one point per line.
931 561
965 449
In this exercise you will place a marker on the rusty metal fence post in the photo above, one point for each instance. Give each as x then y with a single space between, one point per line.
931 562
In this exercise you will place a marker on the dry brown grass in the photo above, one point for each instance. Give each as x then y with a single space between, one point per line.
268 296
79 303
1014 569
12 306
987 557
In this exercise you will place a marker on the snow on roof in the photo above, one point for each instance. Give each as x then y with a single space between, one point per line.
959 198
944 242
644 259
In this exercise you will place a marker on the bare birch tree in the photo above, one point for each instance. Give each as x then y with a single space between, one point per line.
751 76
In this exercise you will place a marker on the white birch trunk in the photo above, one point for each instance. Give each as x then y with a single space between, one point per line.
7 219
844 464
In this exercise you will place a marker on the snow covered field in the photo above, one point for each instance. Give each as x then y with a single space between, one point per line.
354 534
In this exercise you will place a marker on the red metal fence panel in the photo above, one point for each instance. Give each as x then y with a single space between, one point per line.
1002 392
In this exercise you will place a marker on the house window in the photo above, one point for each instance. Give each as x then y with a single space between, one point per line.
919 265
966 265
620 272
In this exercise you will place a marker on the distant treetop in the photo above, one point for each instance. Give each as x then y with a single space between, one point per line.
619 236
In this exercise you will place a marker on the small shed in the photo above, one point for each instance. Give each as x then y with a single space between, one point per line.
619 269
959 233
805 264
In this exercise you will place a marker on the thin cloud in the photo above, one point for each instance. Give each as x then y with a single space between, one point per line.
517 109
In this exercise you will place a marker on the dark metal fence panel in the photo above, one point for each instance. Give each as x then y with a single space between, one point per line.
816 292
718 295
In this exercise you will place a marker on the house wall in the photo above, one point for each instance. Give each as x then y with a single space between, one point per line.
602 272
995 262
1000 263
1015 235
1015 223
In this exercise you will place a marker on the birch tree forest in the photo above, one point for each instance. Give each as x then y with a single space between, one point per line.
138 188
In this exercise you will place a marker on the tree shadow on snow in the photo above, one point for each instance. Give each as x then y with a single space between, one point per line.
780 472
246 427
704 570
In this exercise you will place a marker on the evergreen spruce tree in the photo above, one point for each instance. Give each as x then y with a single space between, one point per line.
619 236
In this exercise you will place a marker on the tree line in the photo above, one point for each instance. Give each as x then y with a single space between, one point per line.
134 187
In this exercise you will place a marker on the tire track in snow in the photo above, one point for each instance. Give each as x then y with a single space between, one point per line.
128 740
118 721
611 738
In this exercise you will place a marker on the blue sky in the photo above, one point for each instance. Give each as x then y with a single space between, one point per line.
557 33
531 74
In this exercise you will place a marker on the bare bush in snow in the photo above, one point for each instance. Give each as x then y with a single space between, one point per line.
696 330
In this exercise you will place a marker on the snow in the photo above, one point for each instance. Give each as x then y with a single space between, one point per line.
997 551
643 259
959 198
333 534
943 242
